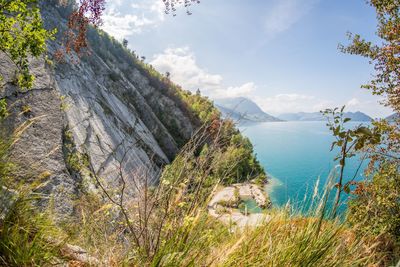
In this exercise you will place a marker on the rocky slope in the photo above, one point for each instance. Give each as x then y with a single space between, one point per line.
103 113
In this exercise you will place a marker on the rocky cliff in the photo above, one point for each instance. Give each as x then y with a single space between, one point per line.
104 113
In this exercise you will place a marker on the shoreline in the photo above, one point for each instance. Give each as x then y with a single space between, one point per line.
270 186
225 204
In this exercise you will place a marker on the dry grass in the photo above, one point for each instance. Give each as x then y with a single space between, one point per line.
172 228
168 225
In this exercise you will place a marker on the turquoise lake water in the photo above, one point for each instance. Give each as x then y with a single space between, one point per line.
296 155
250 206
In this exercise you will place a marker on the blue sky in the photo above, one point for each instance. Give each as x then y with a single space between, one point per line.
280 53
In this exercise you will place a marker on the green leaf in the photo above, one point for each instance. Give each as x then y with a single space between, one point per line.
22 35
342 134
333 145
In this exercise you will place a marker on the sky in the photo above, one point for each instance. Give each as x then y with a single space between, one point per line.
282 54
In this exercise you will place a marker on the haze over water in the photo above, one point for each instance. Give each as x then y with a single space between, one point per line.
295 154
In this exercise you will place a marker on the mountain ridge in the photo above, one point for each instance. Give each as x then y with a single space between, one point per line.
243 109
392 117
318 116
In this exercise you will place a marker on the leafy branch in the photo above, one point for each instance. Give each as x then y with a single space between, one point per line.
349 141
22 35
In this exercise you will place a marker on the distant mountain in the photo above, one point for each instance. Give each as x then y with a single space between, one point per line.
393 117
317 116
241 108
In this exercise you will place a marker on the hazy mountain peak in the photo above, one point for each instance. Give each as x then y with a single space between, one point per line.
243 108
392 117
317 116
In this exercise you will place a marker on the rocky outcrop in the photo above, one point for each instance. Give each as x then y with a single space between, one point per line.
78 256
36 123
103 108
253 191
225 202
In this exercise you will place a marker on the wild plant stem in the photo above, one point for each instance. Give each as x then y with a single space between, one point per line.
342 165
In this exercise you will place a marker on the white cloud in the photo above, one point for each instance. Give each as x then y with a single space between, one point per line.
135 18
353 102
182 65
285 13
243 90
115 2
287 103
158 8
121 26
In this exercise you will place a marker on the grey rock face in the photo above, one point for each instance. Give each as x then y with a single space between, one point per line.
103 126
36 123
111 112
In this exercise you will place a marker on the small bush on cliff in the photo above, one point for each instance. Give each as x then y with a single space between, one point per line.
376 205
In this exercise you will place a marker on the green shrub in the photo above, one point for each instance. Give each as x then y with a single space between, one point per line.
375 208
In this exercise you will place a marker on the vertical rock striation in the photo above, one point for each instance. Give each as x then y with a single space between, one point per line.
104 107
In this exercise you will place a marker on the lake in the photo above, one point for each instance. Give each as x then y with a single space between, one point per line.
296 155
